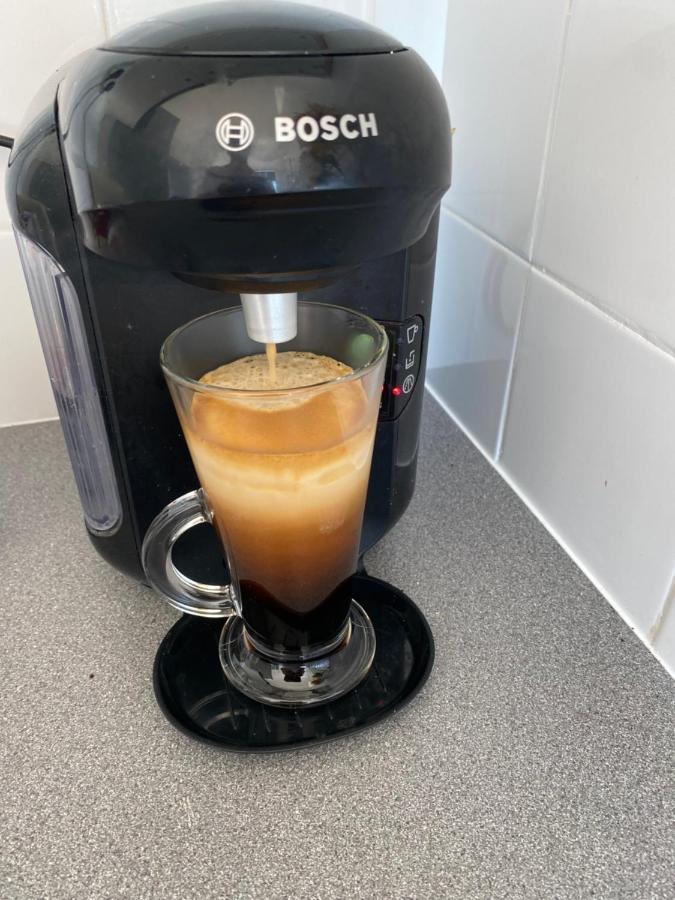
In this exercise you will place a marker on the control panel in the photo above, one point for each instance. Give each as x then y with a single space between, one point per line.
403 365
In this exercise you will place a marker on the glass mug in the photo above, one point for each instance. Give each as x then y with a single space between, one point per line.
283 475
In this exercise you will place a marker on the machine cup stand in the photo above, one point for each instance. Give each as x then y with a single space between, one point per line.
195 696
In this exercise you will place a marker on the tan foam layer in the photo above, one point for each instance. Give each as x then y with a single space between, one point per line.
307 422
294 368
296 476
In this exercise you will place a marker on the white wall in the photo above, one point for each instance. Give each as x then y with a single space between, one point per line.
553 337
554 322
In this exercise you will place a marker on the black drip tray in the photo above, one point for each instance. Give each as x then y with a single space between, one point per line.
196 697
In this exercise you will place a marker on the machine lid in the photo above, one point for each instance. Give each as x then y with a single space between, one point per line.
252 29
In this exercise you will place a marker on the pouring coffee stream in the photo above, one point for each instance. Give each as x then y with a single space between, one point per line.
271 353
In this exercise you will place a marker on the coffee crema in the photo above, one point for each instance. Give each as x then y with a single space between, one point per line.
285 474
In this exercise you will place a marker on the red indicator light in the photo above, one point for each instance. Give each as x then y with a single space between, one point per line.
396 391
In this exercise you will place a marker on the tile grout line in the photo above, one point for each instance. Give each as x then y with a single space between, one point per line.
490 238
664 611
106 19
550 133
29 422
530 504
506 400
627 324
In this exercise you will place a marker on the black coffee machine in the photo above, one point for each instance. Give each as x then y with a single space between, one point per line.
262 150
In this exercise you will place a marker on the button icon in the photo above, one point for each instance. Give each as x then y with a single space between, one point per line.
408 383
411 331
409 361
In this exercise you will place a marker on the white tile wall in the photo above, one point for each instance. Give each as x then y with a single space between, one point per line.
608 223
424 30
479 289
501 66
25 392
564 152
590 440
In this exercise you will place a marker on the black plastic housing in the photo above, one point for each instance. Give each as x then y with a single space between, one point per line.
153 186
119 176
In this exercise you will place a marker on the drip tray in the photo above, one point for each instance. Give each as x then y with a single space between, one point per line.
195 696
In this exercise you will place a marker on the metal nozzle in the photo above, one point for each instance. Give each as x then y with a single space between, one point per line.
271 318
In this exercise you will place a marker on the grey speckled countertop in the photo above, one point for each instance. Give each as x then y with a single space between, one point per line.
537 762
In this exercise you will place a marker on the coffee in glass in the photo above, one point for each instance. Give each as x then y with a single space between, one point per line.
283 459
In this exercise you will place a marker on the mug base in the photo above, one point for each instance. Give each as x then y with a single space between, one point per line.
196 697
295 682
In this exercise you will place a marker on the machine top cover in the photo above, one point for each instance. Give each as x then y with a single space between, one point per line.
274 144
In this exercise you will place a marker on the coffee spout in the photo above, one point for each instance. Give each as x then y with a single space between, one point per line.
271 318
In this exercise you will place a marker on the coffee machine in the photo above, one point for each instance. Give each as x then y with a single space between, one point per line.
233 153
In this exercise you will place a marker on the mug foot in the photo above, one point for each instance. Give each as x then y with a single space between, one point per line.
298 682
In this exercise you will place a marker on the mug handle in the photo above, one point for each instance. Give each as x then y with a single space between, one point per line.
210 600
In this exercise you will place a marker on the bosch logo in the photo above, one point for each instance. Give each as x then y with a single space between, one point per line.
235 132
326 128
